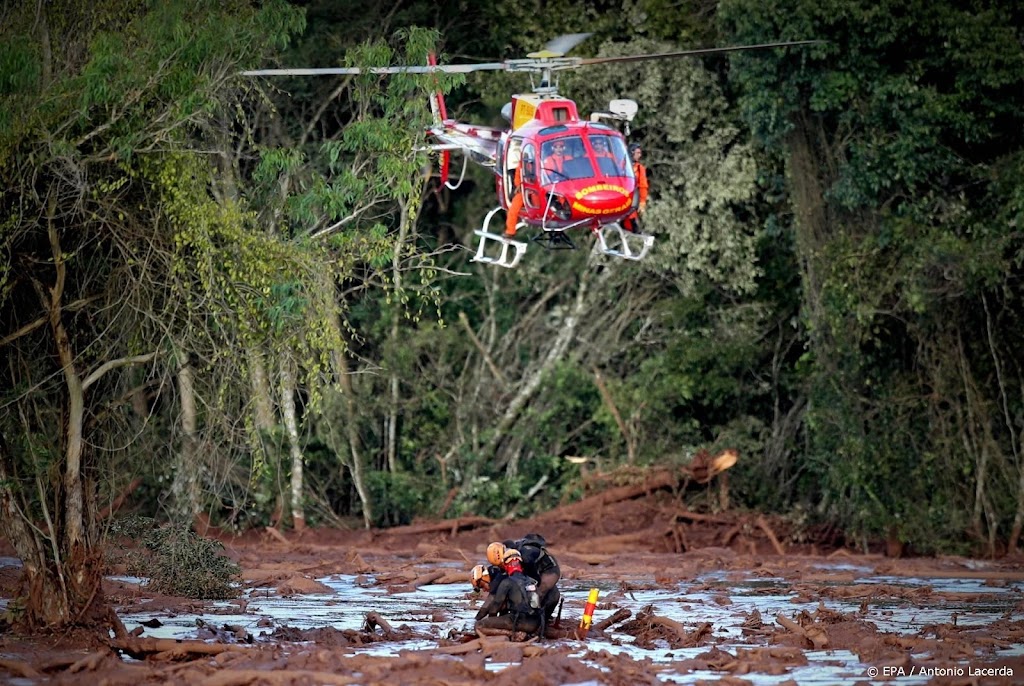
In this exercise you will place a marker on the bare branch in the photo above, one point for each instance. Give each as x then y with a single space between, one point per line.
32 326
114 364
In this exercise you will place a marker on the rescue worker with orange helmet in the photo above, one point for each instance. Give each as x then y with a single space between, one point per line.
486 577
514 594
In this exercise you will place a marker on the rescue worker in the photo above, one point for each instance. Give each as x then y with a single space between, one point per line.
480 578
553 164
515 594
542 566
515 206
632 222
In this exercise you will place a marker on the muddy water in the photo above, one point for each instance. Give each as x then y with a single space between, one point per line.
725 600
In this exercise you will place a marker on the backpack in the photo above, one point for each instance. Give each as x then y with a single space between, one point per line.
536 556
523 601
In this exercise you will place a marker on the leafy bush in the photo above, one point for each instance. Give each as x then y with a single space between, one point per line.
176 560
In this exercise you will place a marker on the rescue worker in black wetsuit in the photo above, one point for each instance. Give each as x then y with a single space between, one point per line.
541 565
514 594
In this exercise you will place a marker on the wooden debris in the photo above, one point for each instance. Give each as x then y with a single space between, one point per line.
140 648
374 620
671 625
90 662
771 535
277 535
815 635
446 526
245 677
657 480
620 615
18 668
422 580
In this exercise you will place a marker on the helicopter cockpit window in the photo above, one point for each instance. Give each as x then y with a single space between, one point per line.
610 155
564 159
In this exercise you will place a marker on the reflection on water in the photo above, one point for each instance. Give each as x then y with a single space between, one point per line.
440 610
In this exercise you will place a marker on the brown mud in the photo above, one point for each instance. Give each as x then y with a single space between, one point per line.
641 539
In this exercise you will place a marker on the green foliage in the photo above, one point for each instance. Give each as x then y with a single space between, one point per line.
701 167
891 132
177 561
400 497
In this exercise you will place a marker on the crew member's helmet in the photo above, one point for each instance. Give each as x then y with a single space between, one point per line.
480 578
495 553
633 147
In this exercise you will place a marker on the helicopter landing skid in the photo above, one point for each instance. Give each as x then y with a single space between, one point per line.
485 253
502 259
630 246
554 240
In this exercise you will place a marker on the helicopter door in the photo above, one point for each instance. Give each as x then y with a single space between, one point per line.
529 166
512 156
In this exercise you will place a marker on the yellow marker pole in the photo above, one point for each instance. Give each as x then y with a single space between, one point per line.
588 614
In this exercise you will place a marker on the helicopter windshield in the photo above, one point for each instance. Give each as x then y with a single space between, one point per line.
610 155
564 159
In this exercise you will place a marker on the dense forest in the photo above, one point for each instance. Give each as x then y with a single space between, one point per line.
242 301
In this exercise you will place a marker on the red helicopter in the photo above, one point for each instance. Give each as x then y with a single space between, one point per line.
574 173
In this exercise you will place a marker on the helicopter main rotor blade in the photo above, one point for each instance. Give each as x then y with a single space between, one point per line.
689 53
558 46
400 69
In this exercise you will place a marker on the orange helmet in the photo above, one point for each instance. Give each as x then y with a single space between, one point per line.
496 553
480 579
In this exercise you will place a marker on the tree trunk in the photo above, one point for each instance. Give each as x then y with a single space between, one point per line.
63 580
47 589
291 424
185 487
343 378
263 407
391 447
264 420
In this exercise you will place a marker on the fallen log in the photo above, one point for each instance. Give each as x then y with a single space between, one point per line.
660 479
612 543
447 525
244 677
140 648
422 580
620 615
671 625
427 579
18 668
